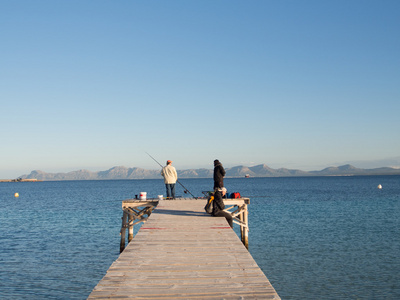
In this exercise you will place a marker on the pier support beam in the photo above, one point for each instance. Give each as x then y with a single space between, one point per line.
123 231
134 212
240 215
130 228
245 234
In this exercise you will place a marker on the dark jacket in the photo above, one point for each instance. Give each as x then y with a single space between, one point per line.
218 203
219 173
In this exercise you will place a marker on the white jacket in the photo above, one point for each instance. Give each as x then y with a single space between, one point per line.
170 175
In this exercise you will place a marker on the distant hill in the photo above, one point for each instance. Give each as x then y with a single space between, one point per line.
263 170
351 170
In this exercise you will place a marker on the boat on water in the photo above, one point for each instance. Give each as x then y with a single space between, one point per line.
247 176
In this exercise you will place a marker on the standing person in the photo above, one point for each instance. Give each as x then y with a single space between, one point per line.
219 173
170 178
219 206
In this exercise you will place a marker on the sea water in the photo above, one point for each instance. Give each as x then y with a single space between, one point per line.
314 237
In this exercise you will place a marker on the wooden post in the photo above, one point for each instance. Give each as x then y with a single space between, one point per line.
123 232
130 228
241 219
245 237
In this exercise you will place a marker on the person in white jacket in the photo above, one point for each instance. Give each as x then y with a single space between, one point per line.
170 178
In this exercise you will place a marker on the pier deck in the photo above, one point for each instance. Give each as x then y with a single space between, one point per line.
183 253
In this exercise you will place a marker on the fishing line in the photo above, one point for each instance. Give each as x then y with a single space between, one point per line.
186 190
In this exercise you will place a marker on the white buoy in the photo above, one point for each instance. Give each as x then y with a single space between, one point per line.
16 195
379 186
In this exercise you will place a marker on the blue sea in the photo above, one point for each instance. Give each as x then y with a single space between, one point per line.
314 237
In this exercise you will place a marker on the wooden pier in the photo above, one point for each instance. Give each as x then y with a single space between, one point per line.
181 252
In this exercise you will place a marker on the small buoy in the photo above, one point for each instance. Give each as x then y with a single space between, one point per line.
379 186
16 195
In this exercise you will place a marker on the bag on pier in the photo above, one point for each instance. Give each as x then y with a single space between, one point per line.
208 208
235 195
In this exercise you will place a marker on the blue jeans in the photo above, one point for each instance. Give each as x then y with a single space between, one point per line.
170 190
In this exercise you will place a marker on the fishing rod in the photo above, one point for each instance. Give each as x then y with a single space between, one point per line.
185 189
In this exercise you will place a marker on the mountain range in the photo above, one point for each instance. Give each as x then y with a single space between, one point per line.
263 170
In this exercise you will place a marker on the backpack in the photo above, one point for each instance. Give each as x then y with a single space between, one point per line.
208 208
235 195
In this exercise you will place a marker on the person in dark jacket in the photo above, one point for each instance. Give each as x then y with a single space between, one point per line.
219 173
219 206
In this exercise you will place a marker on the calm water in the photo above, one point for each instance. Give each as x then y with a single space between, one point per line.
314 238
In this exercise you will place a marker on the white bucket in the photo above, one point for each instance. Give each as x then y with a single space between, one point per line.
160 197
142 195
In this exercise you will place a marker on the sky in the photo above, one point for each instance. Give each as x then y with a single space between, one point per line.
291 84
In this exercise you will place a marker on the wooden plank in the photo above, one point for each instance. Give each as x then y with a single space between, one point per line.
183 253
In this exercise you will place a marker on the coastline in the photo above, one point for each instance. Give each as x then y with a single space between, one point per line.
20 180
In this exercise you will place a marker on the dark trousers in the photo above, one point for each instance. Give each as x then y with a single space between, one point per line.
170 190
227 216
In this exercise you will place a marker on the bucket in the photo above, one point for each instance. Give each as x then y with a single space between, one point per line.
160 197
142 195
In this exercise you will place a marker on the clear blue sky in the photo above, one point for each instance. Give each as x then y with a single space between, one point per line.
295 84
